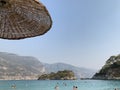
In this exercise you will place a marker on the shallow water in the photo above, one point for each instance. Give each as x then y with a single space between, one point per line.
63 84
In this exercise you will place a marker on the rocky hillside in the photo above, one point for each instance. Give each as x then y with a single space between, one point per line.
17 67
111 70
79 72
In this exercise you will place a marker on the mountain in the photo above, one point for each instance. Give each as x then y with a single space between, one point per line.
111 70
13 66
79 72
16 67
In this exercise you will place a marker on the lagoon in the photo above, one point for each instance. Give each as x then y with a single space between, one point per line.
63 84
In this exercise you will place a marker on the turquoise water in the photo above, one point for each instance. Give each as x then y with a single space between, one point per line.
63 85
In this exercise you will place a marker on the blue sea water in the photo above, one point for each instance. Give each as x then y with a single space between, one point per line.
63 84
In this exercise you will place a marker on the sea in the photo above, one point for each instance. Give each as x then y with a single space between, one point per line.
62 84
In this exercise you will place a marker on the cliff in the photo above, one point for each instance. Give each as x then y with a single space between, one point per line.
111 70
60 75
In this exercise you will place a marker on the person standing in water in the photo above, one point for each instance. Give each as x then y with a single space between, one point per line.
75 88
56 87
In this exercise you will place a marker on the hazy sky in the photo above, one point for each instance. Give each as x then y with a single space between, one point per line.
85 33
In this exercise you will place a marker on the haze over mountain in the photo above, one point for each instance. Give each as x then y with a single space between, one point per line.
15 67
79 72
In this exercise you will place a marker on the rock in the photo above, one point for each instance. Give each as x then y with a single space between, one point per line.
60 75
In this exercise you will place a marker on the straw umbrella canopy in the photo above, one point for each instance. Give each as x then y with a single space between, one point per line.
23 19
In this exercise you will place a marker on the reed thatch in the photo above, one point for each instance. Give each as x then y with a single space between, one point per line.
23 19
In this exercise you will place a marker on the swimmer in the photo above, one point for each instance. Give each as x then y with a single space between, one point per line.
13 86
64 84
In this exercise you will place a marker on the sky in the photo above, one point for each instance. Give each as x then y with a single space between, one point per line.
85 33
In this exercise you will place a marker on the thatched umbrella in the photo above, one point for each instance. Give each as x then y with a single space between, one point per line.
23 19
